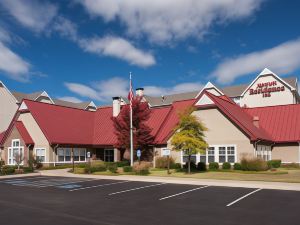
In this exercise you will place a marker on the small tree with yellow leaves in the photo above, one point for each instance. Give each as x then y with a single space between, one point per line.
189 135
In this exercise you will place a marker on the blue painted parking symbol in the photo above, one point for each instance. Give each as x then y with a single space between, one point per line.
70 186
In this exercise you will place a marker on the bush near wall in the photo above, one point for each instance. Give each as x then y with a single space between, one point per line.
141 168
226 166
162 162
127 169
201 166
237 166
123 163
95 166
8 170
213 166
254 164
193 166
275 163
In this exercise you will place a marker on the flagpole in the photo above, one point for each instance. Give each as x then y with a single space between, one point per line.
131 127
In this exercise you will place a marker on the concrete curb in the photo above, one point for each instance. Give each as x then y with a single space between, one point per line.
174 180
20 175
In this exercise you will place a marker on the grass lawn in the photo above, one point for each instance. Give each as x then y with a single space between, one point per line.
281 175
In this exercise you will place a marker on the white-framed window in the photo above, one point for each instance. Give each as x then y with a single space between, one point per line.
185 157
15 150
40 154
64 155
79 154
109 155
211 154
222 154
214 153
264 152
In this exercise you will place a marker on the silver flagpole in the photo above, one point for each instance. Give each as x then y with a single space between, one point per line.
131 127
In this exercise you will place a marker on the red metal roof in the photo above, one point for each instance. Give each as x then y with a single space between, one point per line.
2 136
237 115
24 133
63 125
281 122
171 121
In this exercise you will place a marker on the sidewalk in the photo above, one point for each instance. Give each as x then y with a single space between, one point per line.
20 175
174 180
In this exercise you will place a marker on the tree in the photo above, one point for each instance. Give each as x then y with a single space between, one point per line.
189 135
19 159
141 131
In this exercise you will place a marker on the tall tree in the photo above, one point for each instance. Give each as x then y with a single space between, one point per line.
189 135
141 131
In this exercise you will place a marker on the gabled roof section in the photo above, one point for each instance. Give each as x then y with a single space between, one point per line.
3 85
171 120
236 114
24 133
20 96
265 72
63 125
281 122
209 86
79 105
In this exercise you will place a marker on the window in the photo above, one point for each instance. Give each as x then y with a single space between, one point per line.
222 154
15 150
108 155
211 154
185 157
79 154
61 155
231 154
40 154
203 157
264 152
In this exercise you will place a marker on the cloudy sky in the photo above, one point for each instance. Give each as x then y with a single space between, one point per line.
84 49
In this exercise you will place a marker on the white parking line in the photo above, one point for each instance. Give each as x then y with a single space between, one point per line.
138 188
184 192
100 185
245 196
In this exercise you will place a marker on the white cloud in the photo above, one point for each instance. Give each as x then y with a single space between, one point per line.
102 90
32 14
106 89
283 58
13 65
179 88
119 48
169 20
65 28
4 35
70 99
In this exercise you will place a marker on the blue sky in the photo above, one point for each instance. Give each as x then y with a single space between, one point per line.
84 50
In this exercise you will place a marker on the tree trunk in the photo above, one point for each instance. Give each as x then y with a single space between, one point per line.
189 163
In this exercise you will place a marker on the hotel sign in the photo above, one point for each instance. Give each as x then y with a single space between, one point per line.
266 89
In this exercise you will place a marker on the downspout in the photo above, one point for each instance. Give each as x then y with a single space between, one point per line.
54 155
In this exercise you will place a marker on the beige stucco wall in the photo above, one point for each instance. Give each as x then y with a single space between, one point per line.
40 141
220 132
8 108
276 98
287 153
8 143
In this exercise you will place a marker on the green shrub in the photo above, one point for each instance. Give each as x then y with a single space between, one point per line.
95 166
127 169
81 165
2 163
237 166
176 166
123 163
193 166
7 170
226 166
213 166
275 163
28 169
162 162
79 170
113 168
201 166
141 168
254 164
291 165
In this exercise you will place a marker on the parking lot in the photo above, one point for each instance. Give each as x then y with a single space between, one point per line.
60 200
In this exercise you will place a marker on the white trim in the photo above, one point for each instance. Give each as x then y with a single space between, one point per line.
91 104
209 85
204 100
45 94
9 91
23 106
265 72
